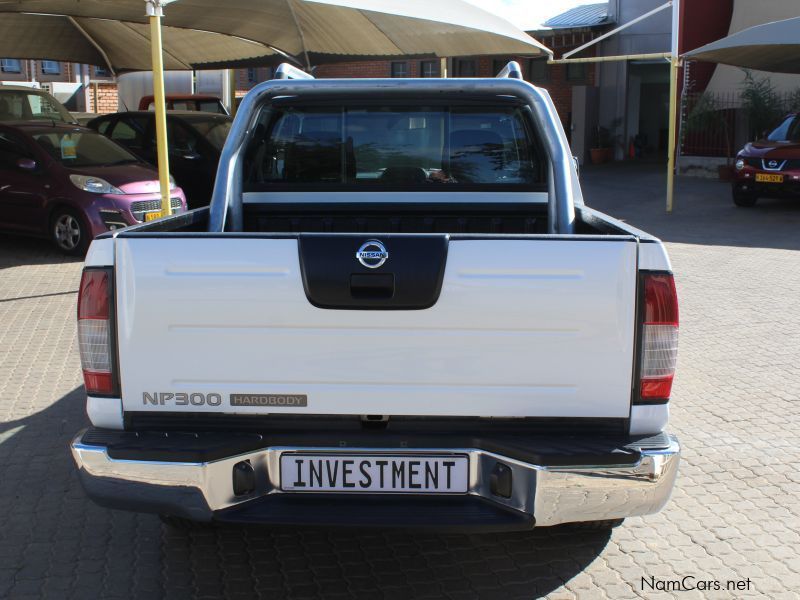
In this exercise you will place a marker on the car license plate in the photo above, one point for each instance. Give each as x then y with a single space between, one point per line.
152 216
375 473
768 178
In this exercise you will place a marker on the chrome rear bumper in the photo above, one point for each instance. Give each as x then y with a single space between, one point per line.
550 494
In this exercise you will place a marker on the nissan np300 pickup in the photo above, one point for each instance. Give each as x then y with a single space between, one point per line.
397 311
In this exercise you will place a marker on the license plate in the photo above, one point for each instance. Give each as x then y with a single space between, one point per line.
768 178
375 473
152 216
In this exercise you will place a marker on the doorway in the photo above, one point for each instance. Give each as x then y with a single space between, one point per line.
647 123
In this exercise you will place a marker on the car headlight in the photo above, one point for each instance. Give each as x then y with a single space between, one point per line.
739 164
172 183
87 183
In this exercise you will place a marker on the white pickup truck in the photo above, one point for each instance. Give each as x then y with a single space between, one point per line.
397 311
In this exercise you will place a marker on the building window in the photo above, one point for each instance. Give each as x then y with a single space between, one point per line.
466 67
576 71
51 67
10 65
101 72
538 70
429 68
400 69
252 75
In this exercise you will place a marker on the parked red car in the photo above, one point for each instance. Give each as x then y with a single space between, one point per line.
769 168
70 183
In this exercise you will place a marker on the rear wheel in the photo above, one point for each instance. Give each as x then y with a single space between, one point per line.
69 232
744 199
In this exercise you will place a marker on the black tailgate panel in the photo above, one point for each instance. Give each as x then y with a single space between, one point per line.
409 279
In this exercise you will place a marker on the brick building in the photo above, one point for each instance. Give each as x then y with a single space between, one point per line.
45 71
102 97
558 80
65 81
247 78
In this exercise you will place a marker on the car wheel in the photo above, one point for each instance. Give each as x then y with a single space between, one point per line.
69 232
744 200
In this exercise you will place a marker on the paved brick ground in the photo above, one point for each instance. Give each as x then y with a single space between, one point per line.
734 514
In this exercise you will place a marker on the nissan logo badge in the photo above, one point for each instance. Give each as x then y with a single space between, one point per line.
372 254
773 164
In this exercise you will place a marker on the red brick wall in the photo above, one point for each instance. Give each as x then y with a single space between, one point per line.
558 83
366 68
243 78
66 73
107 98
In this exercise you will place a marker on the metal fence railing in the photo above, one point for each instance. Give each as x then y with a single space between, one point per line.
719 124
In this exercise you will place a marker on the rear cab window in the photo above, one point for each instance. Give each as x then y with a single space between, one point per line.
431 148
211 106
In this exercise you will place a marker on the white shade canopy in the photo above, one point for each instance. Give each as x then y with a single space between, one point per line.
118 45
322 30
771 47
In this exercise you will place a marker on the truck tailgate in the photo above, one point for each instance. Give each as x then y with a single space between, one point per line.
522 327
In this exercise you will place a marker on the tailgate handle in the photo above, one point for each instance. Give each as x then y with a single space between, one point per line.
376 285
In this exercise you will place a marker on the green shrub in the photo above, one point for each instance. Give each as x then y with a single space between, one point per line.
761 103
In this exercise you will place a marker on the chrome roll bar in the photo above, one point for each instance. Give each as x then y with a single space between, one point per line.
564 188
287 71
512 70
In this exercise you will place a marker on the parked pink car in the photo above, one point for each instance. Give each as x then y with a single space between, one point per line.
71 184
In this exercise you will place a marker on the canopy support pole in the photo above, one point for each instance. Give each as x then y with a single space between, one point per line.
616 58
615 31
673 103
673 93
155 12
94 43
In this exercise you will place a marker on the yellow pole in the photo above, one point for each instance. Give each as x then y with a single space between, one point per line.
155 12
673 95
232 91
672 143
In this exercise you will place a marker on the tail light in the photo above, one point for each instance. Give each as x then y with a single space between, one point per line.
95 339
659 345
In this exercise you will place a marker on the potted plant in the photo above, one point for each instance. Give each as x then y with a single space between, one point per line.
601 150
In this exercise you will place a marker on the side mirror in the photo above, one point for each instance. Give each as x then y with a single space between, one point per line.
26 164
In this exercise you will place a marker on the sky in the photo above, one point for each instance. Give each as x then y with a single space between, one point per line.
528 14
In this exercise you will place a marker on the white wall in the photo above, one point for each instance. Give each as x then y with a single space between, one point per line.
132 86
747 13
